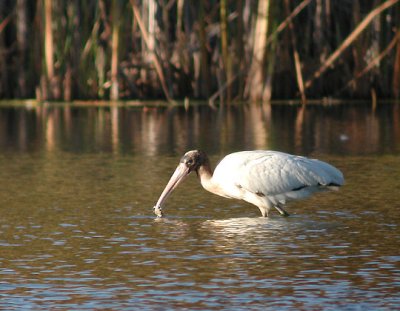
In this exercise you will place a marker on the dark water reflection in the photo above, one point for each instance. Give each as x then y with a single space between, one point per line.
77 230
339 129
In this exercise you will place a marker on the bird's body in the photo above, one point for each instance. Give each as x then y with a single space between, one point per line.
264 178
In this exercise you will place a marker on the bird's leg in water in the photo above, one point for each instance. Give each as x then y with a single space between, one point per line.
281 210
264 211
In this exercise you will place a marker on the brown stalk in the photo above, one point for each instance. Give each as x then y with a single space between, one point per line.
224 45
297 63
396 71
114 94
48 44
374 61
5 22
288 20
255 86
205 80
350 39
221 89
156 63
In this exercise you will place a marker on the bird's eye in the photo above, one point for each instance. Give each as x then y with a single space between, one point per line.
190 162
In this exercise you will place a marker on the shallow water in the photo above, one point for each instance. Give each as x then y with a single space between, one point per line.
77 230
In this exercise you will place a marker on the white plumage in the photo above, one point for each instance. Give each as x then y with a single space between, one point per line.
270 178
264 178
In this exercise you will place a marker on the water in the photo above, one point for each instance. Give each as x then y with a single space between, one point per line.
77 230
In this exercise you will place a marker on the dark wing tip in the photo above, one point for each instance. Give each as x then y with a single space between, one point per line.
299 188
332 184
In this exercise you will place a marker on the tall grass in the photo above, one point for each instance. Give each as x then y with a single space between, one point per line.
231 50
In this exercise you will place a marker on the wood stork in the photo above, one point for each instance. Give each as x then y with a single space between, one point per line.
264 178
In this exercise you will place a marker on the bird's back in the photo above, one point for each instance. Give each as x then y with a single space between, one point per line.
276 175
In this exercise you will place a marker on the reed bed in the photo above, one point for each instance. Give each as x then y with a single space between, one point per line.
216 50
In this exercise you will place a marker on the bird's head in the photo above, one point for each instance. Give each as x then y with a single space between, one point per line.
191 161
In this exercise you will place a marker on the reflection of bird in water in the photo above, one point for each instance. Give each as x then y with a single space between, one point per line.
264 178
243 226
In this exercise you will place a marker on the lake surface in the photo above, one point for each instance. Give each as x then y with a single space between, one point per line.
77 230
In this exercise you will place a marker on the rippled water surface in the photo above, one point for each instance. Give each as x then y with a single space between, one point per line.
77 230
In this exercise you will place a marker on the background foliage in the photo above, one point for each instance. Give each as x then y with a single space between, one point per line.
245 49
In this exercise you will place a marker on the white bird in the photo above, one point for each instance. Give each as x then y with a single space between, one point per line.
264 178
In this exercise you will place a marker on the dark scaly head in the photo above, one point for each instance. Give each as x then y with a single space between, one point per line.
194 159
191 161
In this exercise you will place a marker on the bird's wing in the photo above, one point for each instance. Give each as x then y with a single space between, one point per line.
271 173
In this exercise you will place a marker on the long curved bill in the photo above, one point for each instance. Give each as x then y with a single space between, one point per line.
181 172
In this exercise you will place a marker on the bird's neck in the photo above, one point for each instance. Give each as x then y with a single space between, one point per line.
205 174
